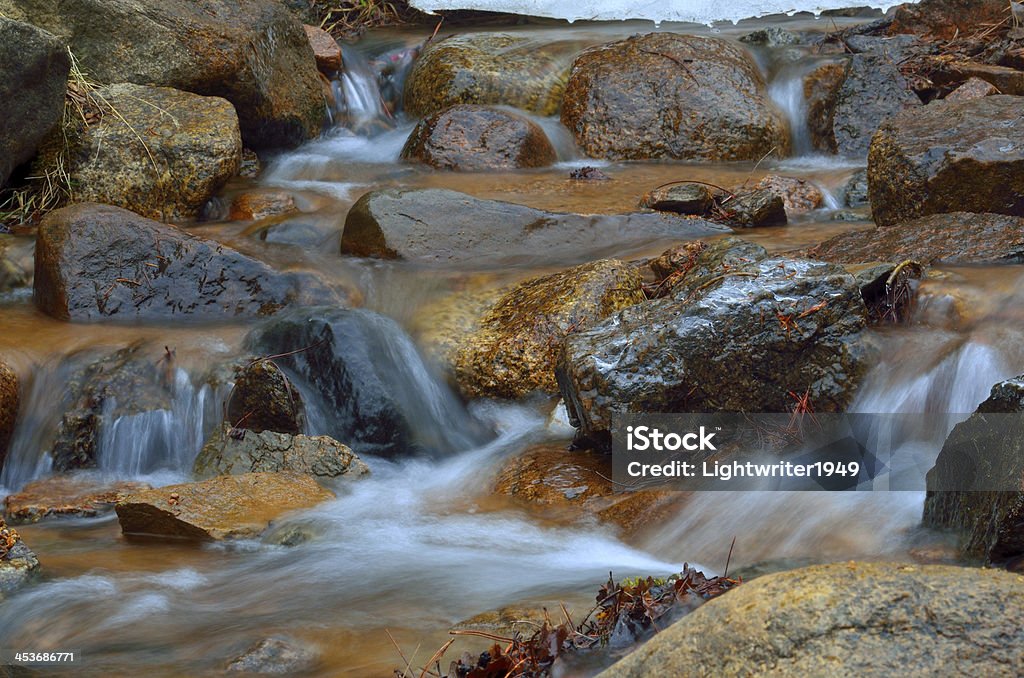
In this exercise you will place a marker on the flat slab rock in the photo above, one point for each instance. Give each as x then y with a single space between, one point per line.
248 451
224 507
441 227
67 496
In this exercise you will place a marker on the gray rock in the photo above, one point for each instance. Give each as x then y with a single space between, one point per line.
962 156
872 91
856 192
762 207
18 565
96 261
276 656
681 198
442 227
865 619
238 451
34 69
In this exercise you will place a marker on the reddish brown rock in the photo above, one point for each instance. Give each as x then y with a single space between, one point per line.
256 205
66 496
948 18
799 196
325 49
1005 80
820 89
8 407
973 88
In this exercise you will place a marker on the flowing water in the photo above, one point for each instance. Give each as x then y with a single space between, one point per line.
422 544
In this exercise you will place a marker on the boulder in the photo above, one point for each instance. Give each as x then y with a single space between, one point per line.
264 399
96 261
471 138
799 196
238 451
441 228
953 238
253 53
509 346
77 496
969 489
821 86
959 156
680 198
871 91
9 399
225 507
489 68
376 393
664 95
15 262
947 18
18 565
277 655
159 152
257 205
972 88
684 270
326 49
869 619
760 207
34 69
743 340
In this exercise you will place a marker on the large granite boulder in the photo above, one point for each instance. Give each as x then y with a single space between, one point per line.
866 619
96 261
975 487
225 507
959 156
489 68
508 347
9 399
751 338
254 53
156 151
34 69
441 227
237 451
665 95
469 138
952 238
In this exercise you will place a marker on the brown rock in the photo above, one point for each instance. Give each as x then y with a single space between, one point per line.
18 565
264 399
224 507
953 238
664 95
256 205
66 496
1005 80
681 198
325 49
820 89
760 207
469 137
973 88
798 195
8 407
947 18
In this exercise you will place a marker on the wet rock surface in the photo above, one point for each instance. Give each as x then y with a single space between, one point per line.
35 65
855 194
276 656
18 565
473 138
441 227
967 486
489 68
159 152
680 198
71 496
9 399
745 339
264 399
256 205
238 451
946 157
863 618
509 345
326 50
664 95
953 238
196 46
821 86
96 261
225 507
799 196
760 207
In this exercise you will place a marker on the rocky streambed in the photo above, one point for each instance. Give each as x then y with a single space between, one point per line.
311 349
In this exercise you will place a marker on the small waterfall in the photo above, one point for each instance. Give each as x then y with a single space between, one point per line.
786 90
360 102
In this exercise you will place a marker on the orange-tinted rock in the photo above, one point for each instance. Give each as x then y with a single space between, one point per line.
256 205
947 18
68 496
8 407
798 195
325 49
820 90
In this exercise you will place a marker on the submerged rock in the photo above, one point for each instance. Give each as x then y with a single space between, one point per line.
441 227
253 53
747 339
18 565
95 261
858 618
238 451
961 156
78 496
508 347
34 69
264 399
156 151
489 68
9 399
665 95
256 205
277 655
225 507
471 138
952 238
968 486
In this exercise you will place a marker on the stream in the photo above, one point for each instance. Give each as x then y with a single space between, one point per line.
422 544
